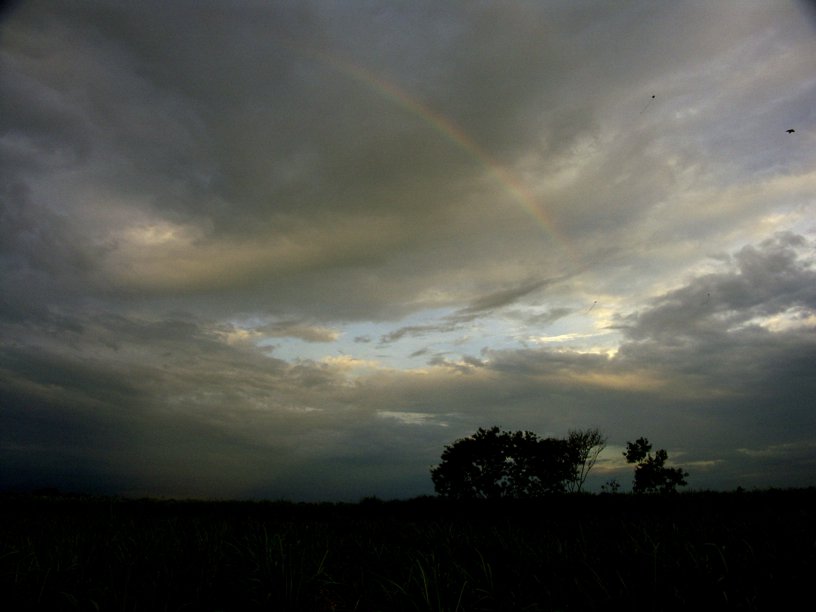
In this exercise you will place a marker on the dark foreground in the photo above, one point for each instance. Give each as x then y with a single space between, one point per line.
726 551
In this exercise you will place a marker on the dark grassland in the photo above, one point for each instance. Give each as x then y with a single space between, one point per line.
740 551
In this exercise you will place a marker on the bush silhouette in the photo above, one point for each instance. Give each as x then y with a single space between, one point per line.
651 473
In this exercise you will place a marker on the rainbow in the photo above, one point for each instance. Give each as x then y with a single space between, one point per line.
507 180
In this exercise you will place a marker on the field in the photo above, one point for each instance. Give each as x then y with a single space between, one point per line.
740 551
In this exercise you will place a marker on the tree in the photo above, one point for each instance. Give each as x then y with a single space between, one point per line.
493 464
586 444
538 466
651 473
611 486
474 467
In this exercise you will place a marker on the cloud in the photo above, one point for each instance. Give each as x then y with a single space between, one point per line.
488 303
465 365
296 329
549 316
481 306
763 282
109 385
248 251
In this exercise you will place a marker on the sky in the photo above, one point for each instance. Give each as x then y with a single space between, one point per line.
291 250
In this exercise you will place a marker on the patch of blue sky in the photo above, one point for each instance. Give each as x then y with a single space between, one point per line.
431 335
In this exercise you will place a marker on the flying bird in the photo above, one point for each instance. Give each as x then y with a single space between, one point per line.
647 105
791 131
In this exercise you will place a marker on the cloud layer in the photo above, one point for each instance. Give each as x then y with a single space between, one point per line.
292 249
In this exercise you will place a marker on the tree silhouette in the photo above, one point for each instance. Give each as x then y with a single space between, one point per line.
493 464
651 473
538 466
587 444
474 467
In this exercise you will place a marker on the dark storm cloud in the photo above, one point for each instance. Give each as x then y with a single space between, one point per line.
734 402
149 400
190 193
35 240
238 149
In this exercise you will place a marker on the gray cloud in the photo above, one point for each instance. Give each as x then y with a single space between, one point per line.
764 281
488 303
210 215
481 306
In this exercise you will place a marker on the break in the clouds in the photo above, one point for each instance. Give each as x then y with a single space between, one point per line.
291 249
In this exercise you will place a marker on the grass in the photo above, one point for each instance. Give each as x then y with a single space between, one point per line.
736 551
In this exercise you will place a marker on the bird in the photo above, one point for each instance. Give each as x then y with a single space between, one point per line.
790 131
647 105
